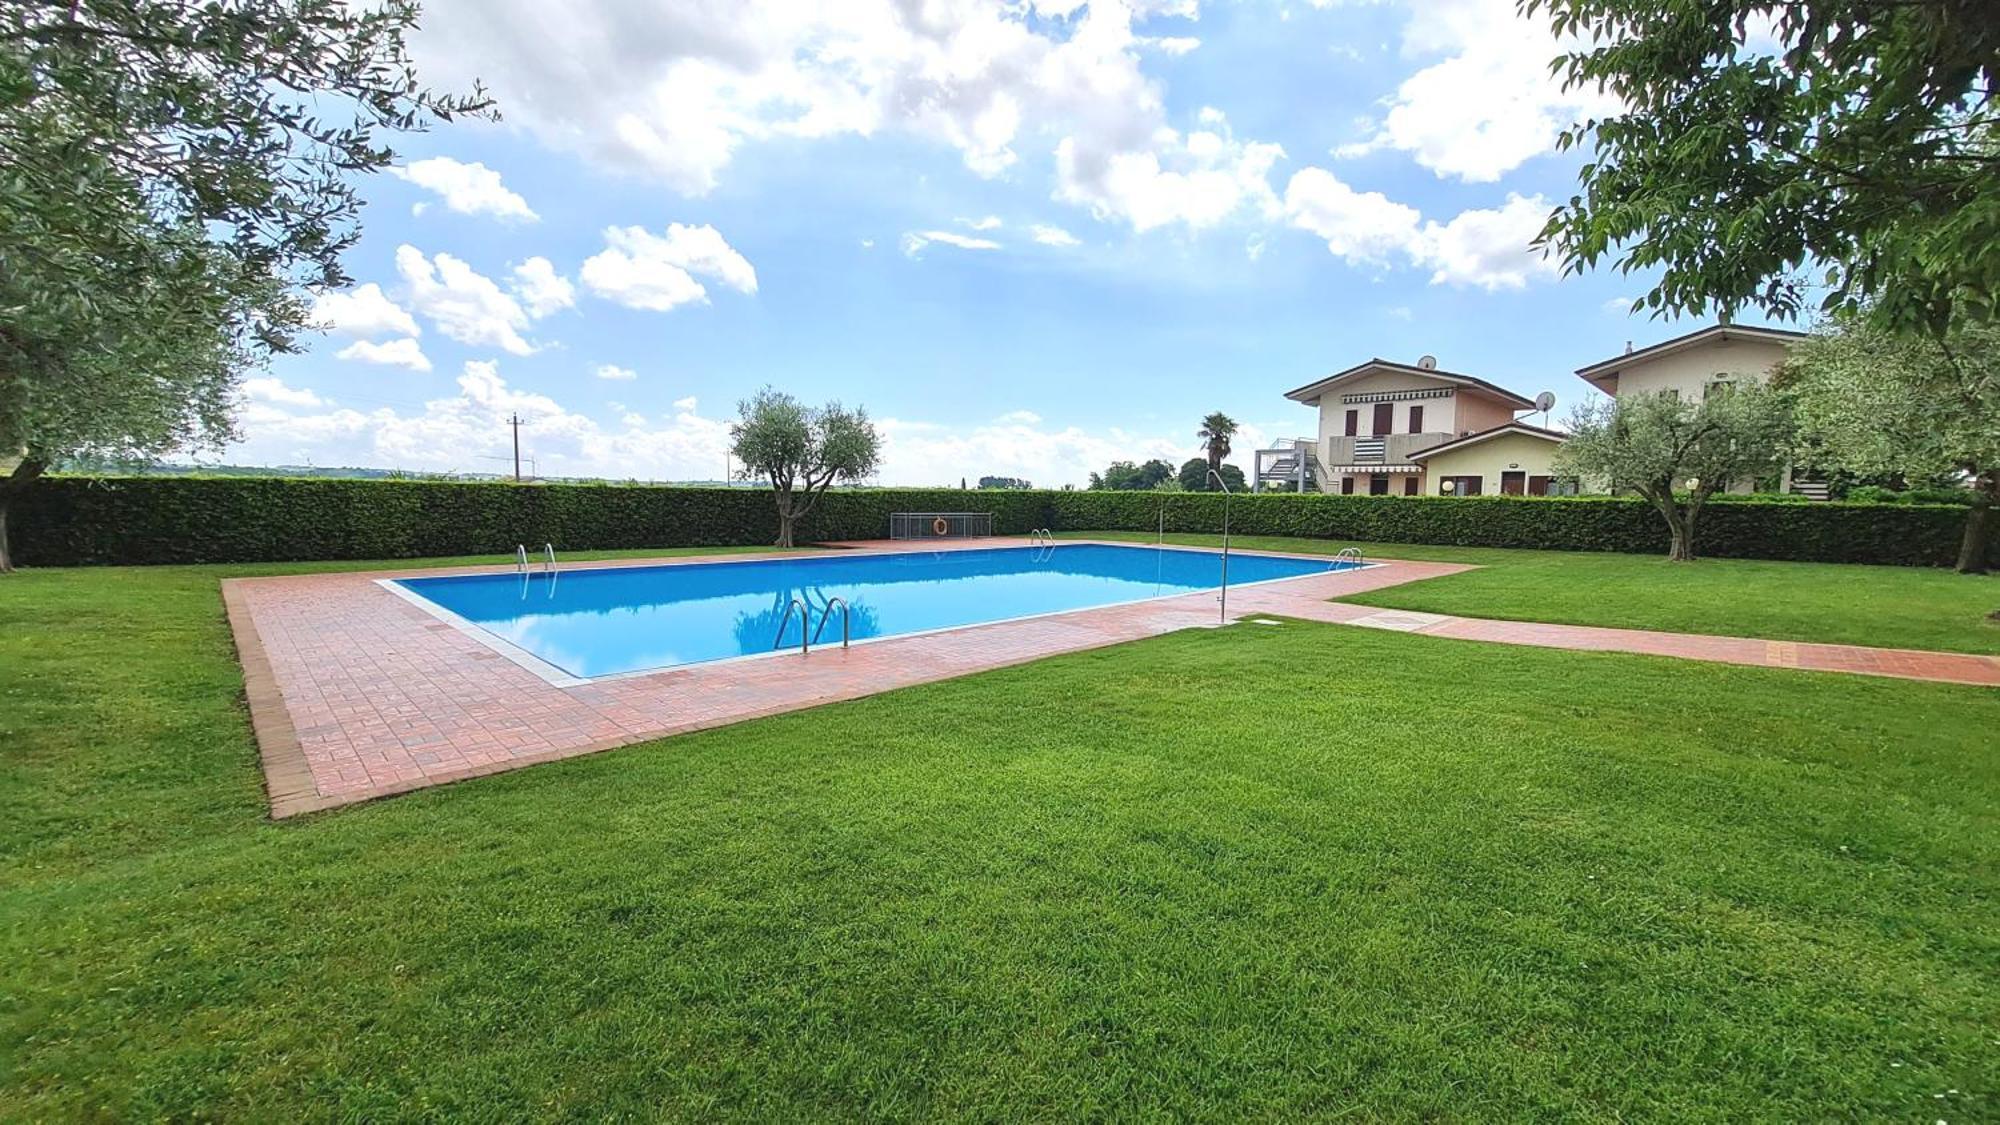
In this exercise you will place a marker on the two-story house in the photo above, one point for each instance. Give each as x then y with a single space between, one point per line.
1388 428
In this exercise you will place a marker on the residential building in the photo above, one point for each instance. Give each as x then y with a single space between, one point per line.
1378 417
1513 459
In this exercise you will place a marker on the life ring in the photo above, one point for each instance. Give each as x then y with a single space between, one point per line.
940 527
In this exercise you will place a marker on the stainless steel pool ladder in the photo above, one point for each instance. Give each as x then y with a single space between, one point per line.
520 558
805 627
1349 555
1044 542
549 555
826 614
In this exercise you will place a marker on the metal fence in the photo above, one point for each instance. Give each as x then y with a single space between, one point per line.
940 525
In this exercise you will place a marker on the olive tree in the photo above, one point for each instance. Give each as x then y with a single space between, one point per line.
176 178
1677 454
1875 402
801 451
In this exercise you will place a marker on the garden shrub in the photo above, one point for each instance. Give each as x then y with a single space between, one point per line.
72 520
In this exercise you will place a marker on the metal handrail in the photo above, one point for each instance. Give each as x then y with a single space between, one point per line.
549 553
1351 555
520 558
805 627
826 614
1227 496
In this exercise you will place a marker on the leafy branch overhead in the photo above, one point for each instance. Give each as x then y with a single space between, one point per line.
1831 153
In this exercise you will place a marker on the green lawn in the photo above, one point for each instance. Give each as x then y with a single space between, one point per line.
1266 871
1886 606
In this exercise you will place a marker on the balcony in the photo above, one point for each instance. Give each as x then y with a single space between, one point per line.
1387 449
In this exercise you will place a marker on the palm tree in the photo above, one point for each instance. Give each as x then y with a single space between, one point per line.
1214 434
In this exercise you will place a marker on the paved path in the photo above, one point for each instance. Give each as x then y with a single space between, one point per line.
1909 664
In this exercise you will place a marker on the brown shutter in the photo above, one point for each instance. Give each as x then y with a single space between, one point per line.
1416 419
1353 422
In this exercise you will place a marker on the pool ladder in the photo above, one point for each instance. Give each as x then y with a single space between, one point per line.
1043 541
1348 555
808 636
548 553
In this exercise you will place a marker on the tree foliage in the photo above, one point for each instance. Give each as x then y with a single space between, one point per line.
1769 150
1124 476
1004 482
172 178
801 451
1878 403
1675 454
1194 477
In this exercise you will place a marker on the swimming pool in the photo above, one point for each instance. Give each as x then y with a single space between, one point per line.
585 623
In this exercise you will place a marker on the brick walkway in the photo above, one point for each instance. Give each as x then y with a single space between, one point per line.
356 693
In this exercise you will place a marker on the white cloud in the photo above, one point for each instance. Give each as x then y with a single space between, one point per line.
990 222
1198 179
1053 236
390 353
915 241
467 432
362 311
1488 249
918 452
615 373
541 289
464 304
1020 417
673 91
1619 306
1480 248
1364 227
469 189
642 270
687 405
274 391
1491 104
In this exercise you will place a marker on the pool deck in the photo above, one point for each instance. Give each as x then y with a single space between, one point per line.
356 693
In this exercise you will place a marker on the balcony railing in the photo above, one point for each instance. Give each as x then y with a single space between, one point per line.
1386 449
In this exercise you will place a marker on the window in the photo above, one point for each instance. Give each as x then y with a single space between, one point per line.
1721 384
1513 484
1538 486
1409 486
1416 419
1347 483
1378 485
1385 418
1460 486
1353 422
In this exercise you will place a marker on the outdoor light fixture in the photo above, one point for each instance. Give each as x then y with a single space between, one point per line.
1449 486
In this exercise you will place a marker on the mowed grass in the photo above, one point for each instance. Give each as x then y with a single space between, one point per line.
1266 871
1883 606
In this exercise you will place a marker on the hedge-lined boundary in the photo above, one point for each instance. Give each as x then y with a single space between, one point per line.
67 521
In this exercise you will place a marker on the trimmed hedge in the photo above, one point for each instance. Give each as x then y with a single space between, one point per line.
66 521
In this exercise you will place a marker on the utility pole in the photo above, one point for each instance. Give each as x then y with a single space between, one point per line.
515 421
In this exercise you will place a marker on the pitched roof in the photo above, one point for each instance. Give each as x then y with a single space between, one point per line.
1607 367
1313 390
1504 428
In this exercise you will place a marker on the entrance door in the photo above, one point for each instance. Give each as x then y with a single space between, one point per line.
1538 486
1513 484
1385 417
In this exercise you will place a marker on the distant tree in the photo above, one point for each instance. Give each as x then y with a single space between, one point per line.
1194 477
801 451
1215 432
1124 476
1877 403
1677 454
1004 482
1858 159
175 175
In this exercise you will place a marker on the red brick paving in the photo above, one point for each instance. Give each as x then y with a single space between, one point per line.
356 693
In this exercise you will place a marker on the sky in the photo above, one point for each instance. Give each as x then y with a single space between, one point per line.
1029 238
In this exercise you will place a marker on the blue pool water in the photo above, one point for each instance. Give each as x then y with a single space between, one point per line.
623 619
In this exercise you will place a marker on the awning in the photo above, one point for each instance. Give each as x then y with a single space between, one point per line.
1386 470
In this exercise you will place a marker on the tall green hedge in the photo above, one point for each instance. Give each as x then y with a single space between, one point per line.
66 521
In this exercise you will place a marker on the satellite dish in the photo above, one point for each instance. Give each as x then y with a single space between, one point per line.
1545 401
1428 363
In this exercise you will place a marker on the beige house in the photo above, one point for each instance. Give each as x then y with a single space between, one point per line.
1692 365
1513 459
1376 418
